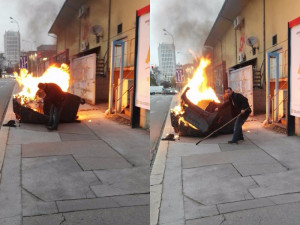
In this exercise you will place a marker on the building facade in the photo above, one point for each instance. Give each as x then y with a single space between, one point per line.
88 27
249 41
12 47
167 61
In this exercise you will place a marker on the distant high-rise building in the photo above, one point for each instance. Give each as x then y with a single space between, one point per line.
167 62
12 47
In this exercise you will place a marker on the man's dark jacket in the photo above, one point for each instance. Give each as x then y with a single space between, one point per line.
239 102
54 94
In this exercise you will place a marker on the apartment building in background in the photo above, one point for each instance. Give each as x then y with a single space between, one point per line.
167 62
12 47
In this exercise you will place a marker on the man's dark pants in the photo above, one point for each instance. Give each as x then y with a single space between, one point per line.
55 113
237 130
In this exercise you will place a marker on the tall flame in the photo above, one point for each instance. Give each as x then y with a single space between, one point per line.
29 83
199 89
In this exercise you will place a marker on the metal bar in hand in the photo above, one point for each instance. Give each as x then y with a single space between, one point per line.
221 127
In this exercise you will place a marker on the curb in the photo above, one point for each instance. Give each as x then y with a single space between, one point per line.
158 170
4 131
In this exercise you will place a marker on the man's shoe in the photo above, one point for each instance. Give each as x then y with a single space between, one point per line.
232 142
51 128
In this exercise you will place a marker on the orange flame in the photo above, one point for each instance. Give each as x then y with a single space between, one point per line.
199 89
29 83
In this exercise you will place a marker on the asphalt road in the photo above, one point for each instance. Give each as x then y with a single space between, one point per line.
6 88
160 105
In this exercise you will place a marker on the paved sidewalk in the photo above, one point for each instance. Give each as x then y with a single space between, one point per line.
255 182
93 172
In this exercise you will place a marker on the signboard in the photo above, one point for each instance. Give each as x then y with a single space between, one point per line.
83 78
179 75
295 71
142 95
23 62
241 81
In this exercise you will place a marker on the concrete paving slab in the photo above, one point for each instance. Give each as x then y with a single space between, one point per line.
91 155
122 182
133 144
10 191
253 168
178 222
57 178
194 210
33 127
132 200
101 163
243 205
155 200
212 185
276 184
85 204
17 220
226 157
136 215
79 148
289 159
19 136
240 146
213 220
54 219
272 215
172 209
32 206
187 149
77 137
218 140
74 128
287 198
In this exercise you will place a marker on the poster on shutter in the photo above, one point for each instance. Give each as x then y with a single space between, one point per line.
295 71
143 63
83 78
241 81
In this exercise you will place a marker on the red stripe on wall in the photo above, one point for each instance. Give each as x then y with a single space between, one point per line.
294 22
143 10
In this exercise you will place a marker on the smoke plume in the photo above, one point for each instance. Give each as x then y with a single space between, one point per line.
189 21
40 15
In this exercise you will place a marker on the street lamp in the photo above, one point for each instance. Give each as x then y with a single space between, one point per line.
14 21
167 32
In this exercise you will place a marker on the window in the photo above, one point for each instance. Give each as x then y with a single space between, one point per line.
119 28
274 40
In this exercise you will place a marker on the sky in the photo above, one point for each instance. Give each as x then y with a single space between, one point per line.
189 21
34 17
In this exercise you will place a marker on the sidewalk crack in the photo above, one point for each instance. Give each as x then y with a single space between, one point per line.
33 195
64 219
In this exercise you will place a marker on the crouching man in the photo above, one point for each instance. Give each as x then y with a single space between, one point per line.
52 95
240 106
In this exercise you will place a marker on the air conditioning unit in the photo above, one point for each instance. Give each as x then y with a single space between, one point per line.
84 45
83 10
242 57
237 23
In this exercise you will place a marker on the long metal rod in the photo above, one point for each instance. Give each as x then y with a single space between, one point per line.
221 127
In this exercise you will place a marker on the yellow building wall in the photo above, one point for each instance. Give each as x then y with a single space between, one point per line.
72 36
125 12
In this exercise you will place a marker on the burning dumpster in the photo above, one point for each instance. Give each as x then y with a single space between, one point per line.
28 109
197 115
